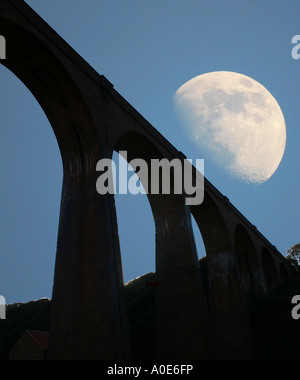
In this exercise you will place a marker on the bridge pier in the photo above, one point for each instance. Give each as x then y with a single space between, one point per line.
230 324
181 308
89 318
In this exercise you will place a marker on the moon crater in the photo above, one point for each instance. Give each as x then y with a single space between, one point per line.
235 121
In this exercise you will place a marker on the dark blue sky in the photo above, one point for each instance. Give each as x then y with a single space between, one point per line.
147 49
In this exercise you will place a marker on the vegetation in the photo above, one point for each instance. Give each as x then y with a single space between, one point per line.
34 315
140 299
275 333
293 256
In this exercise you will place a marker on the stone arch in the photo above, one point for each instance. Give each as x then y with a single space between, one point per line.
134 252
225 288
247 258
88 318
269 269
87 257
212 226
177 268
43 73
137 239
138 146
39 165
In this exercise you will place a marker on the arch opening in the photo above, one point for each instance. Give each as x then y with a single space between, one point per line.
137 243
200 246
42 73
212 227
201 255
48 73
31 175
176 279
137 238
216 266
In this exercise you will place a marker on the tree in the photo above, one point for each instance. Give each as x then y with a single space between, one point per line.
293 256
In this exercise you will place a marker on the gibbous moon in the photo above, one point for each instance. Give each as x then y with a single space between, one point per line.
236 121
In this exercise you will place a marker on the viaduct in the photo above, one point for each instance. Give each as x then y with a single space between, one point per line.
91 120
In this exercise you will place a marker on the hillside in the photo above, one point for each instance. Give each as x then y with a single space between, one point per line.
275 333
35 315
